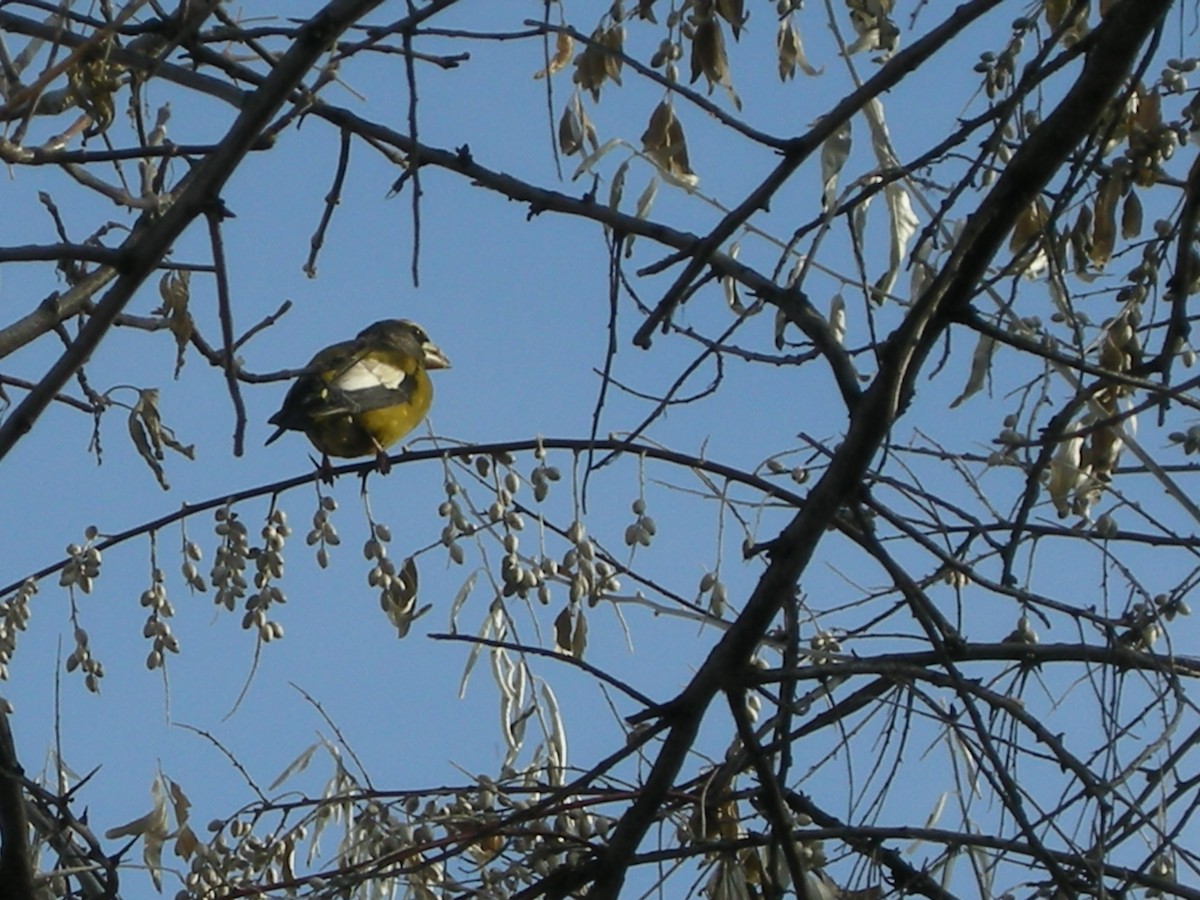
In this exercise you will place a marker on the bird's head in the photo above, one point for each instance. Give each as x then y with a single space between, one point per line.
407 337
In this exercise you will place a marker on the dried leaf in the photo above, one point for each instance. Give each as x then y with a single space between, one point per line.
570 129
835 150
1131 216
92 81
664 142
617 188
1056 15
579 638
646 198
708 54
781 323
186 843
903 224
981 365
152 829
180 804
733 12
589 161
858 215
902 221
790 51
174 289
589 129
160 435
459 599
873 25
403 611
1080 239
1028 237
837 318
821 887
485 631
1065 474
564 46
297 765
562 631
1146 112
590 66
1056 11
613 41
1030 225
556 740
729 285
1104 226
141 443
1103 451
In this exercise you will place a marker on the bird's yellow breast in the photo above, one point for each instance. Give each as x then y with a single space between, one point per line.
364 433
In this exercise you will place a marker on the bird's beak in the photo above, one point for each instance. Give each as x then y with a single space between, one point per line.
434 358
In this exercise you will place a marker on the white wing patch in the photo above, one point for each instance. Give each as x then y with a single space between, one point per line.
370 373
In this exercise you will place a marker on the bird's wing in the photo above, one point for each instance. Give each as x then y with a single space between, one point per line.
366 380
309 390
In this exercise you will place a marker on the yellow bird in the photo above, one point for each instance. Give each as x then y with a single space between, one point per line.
357 398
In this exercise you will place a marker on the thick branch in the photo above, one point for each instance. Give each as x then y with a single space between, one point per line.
16 869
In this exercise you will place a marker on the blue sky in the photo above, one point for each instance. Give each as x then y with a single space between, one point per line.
520 306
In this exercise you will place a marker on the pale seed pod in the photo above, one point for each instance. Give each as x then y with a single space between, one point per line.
716 603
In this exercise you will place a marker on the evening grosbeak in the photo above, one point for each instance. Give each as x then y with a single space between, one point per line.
359 397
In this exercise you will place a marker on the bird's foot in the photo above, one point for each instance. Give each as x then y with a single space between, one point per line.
382 462
325 468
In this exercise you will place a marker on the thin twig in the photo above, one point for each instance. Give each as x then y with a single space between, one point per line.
332 199
214 215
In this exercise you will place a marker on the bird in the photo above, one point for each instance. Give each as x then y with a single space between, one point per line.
358 397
